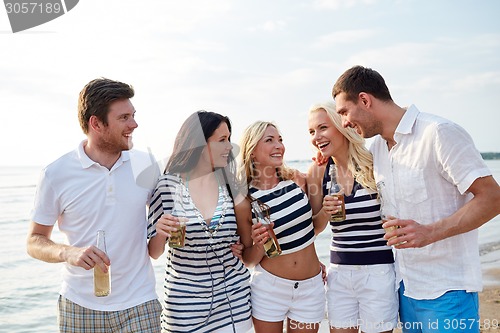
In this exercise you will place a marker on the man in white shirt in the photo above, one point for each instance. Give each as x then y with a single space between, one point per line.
443 192
94 188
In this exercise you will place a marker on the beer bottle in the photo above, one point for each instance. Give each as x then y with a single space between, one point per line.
102 281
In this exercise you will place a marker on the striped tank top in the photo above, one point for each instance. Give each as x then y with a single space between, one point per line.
291 213
206 287
358 240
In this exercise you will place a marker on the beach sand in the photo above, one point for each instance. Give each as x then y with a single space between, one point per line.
489 298
489 301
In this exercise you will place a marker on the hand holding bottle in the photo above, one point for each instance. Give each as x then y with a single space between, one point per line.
332 204
167 224
85 257
271 245
177 236
336 191
259 233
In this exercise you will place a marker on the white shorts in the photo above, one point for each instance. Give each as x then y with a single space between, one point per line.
362 296
274 298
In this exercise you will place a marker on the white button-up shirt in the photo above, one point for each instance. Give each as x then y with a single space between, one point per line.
426 175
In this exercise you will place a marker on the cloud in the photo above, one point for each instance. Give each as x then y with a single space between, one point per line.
174 17
476 81
343 37
270 26
338 4
403 55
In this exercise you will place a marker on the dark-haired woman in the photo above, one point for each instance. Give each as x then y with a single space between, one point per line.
206 285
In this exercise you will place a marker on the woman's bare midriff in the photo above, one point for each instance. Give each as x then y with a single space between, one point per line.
300 265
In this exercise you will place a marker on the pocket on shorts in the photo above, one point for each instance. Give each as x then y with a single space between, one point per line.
382 270
331 278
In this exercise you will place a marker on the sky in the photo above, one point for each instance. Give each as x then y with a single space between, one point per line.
249 60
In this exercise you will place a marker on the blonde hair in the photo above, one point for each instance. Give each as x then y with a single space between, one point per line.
360 161
249 140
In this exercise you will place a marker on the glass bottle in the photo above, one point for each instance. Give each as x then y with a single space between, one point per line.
336 190
271 247
102 281
178 237
387 208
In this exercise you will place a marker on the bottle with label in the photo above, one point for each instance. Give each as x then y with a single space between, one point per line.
102 281
271 247
337 191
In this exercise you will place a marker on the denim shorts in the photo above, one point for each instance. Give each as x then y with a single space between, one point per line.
454 311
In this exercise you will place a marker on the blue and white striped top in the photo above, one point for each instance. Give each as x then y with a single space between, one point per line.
291 213
359 239
206 286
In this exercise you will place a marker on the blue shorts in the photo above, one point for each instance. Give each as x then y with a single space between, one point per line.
454 311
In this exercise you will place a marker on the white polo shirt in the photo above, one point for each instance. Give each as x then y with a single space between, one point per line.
427 174
83 197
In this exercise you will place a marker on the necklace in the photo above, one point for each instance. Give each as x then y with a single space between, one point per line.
222 200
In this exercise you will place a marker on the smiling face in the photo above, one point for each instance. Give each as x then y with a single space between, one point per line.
269 150
116 136
218 147
325 136
356 115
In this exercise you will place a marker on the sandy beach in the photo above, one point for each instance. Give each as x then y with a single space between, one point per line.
489 298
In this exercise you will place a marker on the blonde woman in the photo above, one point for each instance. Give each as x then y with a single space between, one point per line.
290 285
361 288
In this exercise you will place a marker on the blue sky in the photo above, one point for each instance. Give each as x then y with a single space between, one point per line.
249 60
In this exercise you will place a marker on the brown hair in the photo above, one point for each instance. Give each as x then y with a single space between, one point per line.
359 79
96 97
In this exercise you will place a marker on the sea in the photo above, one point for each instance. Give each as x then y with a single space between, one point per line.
29 288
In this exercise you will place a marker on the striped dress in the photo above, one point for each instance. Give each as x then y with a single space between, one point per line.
291 213
358 240
206 286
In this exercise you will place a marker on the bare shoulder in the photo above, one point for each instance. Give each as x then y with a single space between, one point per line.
299 178
240 199
315 172
299 175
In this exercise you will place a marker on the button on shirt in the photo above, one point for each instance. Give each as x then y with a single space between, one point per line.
426 175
